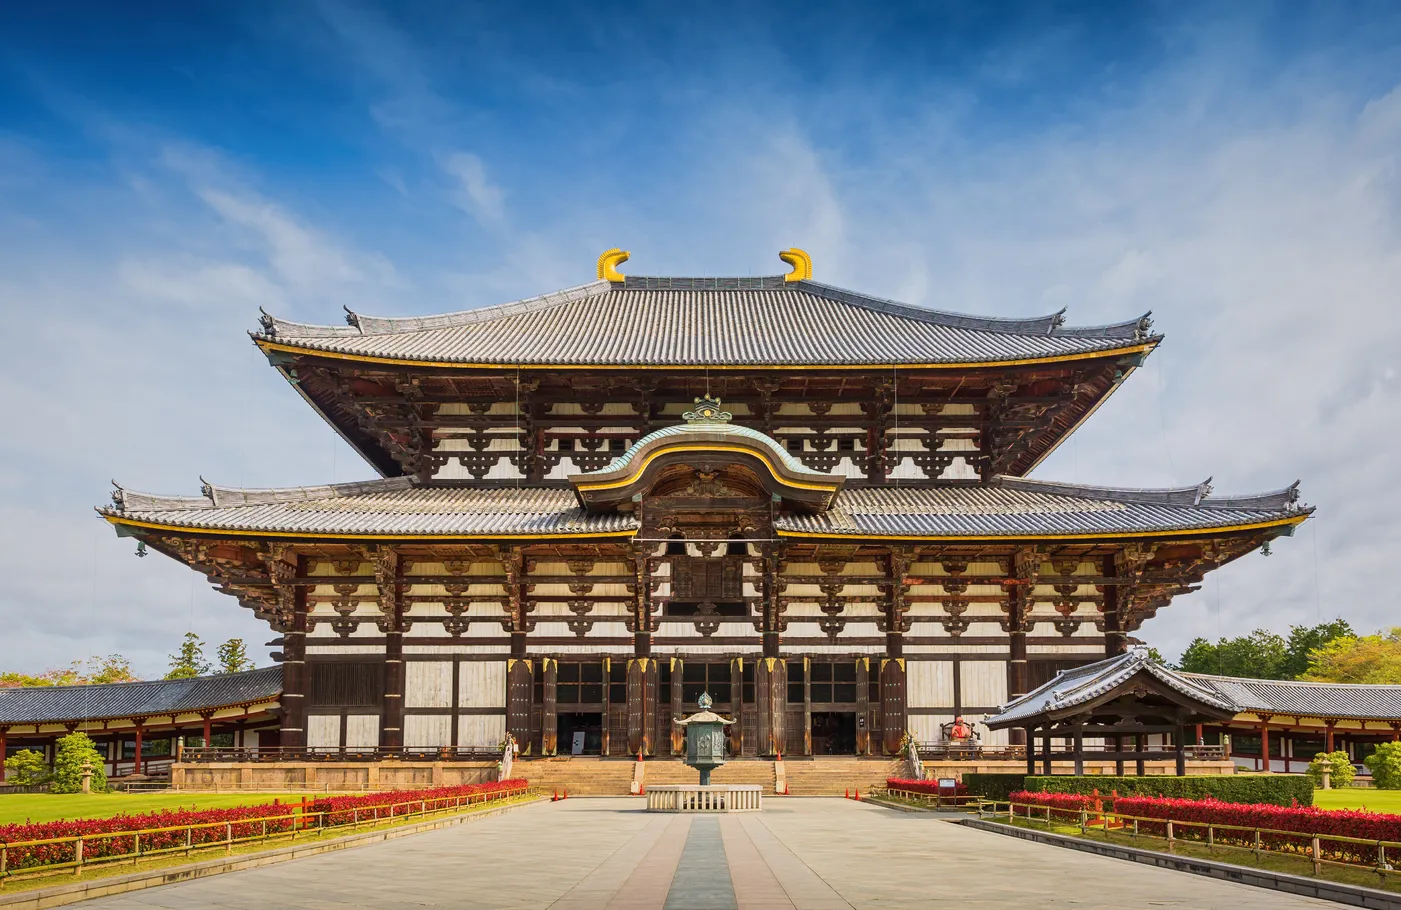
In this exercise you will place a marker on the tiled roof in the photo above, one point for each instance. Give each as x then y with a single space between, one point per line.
706 321
1311 699
55 704
1007 508
382 507
1012 506
1087 683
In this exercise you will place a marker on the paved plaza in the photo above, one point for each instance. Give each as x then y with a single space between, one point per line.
813 854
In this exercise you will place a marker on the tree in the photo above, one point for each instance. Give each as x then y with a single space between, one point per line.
1368 659
1262 654
1259 655
1304 640
189 660
109 669
1341 770
233 656
1385 765
75 750
26 768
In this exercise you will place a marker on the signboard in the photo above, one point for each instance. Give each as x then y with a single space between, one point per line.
948 783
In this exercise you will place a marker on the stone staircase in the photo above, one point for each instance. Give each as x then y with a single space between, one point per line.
577 775
834 775
740 771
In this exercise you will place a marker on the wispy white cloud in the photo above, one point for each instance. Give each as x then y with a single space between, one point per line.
475 193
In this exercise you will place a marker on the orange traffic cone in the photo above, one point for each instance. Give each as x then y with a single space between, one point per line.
555 797
857 797
846 794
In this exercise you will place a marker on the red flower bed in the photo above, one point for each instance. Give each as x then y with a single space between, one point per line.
343 810
96 846
923 786
1060 804
104 837
1190 818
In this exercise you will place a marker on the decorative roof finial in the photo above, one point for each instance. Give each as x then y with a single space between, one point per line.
267 322
801 263
705 701
608 264
707 411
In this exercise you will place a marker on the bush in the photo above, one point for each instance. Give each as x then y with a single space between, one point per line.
1385 765
994 786
74 750
1268 789
1065 806
1342 771
341 810
1191 817
26 768
930 787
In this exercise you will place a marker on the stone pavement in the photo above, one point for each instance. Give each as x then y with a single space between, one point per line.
797 854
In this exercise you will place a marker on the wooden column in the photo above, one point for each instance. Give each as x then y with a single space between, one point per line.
807 706
604 747
678 705
1022 566
284 567
1179 737
208 725
1118 755
549 711
389 575
1264 746
770 691
1029 734
1079 747
892 704
736 729
770 635
140 729
863 706
4 735
1046 751
642 703
1138 748
1328 735
520 695
1114 597
641 624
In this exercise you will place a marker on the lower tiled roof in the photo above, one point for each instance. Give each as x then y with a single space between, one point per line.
61 704
1311 699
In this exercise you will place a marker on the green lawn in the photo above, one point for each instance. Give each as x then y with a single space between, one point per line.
43 807
1359 798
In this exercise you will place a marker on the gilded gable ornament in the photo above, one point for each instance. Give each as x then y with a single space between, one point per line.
707 411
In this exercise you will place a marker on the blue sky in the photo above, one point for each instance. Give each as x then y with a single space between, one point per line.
166 169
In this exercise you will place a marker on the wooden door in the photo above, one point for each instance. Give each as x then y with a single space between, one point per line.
520 687
549 715
892 704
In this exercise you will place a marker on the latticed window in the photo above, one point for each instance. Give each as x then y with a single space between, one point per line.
579 683
698 677
618 682
833 682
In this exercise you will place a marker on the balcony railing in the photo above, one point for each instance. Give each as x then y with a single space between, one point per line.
947 751
200 754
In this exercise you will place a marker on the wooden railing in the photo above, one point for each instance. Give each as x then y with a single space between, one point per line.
204 754
59 854
938 800
948 751
1299 844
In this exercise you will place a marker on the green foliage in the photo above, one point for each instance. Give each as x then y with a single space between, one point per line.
233 656
189 660
26 768
73 751
1353 659
1272 789
1385 765
1341 773
1263 654
993 786
109 669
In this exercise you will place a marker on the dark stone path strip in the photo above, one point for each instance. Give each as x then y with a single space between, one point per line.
702 880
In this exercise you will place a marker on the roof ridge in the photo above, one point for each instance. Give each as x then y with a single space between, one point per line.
1194 496
212 496
1288 682
359 324
140 682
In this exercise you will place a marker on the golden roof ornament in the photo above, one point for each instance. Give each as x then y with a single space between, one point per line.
707 411
801 263
608 264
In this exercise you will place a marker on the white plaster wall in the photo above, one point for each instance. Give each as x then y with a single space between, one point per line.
984 682
480 729
929 683
323 731
362 731
481 684
427 684
427 731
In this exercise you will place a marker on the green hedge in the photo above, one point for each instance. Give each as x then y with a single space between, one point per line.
1272 789
993 786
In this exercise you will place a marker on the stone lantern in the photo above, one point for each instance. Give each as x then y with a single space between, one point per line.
705 739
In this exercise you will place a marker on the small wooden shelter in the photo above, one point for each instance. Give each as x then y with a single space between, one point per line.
1128 708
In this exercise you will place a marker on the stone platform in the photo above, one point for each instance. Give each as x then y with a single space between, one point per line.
714 798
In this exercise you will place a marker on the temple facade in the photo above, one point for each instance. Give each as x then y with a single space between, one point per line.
597 504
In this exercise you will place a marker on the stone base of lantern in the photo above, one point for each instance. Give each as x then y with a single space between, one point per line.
715 798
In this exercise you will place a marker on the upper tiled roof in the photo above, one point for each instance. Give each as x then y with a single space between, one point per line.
1009 507
1085 684
1312 699
55 704
395 506
1012 506
706 321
